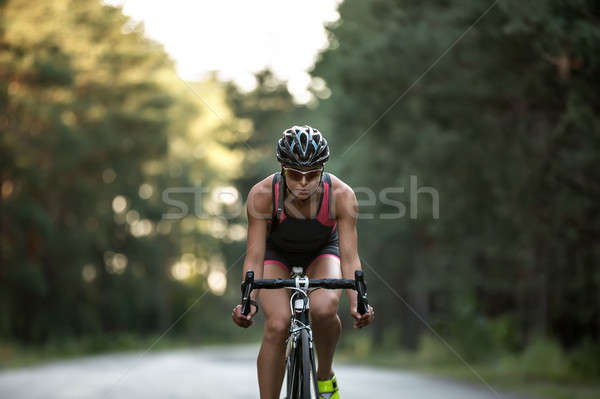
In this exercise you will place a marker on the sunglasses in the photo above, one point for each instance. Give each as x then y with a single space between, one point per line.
296 174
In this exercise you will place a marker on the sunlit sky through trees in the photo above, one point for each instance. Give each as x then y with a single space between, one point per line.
238 38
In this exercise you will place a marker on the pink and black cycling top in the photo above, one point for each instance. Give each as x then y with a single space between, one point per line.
299 242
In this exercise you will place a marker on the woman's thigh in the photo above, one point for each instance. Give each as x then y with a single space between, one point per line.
324 302
275 303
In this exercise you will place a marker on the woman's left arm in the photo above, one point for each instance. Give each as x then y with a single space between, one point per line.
346 211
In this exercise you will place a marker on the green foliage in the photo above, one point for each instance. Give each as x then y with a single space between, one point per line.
503 127
94 126
433 352
543 358
269 109
585 359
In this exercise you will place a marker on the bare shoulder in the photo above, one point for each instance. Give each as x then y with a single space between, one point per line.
260 199
344 199
341 190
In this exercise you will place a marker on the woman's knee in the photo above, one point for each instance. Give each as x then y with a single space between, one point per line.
325 308
276 328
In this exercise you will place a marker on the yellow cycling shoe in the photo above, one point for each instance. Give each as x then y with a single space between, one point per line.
328 389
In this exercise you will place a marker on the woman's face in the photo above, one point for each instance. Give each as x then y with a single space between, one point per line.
302 185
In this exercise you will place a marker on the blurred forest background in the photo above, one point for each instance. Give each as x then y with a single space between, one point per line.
100 142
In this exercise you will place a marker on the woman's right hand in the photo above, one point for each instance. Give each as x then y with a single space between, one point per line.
240 319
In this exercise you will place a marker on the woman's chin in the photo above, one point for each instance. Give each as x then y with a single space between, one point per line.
301 194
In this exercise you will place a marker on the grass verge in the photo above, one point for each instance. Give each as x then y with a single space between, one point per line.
13 355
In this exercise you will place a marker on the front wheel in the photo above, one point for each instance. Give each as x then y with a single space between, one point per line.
300 368
294 368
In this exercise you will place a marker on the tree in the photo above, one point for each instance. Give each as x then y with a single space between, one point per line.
504 127
95 126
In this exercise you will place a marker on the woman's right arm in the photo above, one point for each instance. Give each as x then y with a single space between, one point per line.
259 210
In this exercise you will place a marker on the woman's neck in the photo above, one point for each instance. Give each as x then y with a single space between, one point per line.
301 204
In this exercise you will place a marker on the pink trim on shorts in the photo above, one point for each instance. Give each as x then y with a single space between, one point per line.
276 262
320 256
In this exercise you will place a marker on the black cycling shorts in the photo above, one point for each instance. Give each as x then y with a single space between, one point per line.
288 260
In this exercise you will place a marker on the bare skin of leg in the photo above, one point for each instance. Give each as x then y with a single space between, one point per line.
271 358
326 324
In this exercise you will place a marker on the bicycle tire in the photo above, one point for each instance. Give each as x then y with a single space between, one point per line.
307 365
314 372
294 367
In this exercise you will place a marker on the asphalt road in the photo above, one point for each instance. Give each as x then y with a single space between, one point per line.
208 373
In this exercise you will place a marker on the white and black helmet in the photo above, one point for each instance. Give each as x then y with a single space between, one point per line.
302 146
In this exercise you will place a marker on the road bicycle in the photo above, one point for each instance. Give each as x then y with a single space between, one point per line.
300 357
